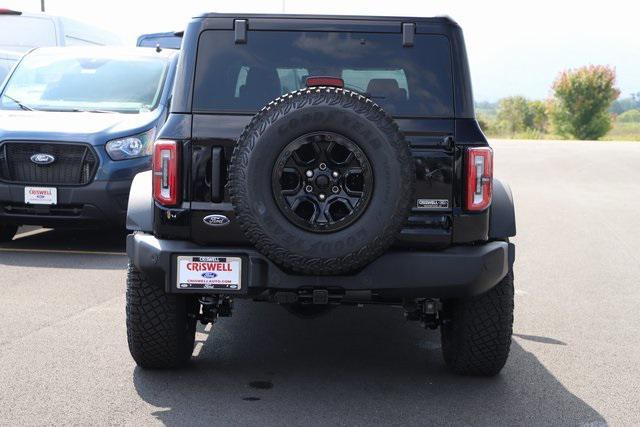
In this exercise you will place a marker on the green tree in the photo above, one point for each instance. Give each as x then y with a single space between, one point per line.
630 116
513 114
621 105
518 114
483 122
539 116
582 98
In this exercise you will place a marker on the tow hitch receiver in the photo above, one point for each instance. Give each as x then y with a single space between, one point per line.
321 296
213 307
307 296
426 311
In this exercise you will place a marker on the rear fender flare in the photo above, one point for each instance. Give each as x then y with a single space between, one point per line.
502 215
140 207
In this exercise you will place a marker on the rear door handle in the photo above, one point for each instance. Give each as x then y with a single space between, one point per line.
217 174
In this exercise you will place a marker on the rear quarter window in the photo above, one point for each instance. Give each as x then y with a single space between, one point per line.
242 78
166 42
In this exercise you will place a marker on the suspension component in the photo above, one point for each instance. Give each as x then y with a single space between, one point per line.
214 306
426 311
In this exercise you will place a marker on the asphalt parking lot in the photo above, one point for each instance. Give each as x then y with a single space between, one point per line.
574 360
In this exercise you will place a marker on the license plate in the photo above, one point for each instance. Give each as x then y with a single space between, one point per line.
209 272
41 195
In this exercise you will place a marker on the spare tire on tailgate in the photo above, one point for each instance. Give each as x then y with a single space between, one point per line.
321 180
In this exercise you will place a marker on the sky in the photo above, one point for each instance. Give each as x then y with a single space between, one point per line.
514 47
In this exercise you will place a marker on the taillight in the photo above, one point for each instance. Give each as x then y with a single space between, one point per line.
479 178
166 186
324 81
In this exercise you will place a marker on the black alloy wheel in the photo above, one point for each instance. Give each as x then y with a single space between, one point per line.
322 182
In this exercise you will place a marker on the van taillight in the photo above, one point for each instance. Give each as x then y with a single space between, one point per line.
166 188
479 178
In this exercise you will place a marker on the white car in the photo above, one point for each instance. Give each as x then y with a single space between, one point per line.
21 32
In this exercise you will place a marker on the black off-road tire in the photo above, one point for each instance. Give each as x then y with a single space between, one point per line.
7 232
476 332
321 109
160 327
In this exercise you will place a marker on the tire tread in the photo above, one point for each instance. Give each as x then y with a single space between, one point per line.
159 333
238 174
476 335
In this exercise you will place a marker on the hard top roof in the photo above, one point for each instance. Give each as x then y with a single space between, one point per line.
102 51
445 20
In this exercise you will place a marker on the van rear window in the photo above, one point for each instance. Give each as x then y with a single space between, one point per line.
242 78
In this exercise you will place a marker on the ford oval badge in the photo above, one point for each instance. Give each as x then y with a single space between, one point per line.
209 275
216 220
42 159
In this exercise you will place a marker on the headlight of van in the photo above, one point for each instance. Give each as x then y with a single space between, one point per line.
132 146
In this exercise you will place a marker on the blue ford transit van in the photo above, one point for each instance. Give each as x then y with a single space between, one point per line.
76 125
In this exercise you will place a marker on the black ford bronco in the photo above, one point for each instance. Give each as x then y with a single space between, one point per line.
313 161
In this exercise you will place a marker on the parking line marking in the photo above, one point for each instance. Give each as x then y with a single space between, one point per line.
61 251
31 233
196 349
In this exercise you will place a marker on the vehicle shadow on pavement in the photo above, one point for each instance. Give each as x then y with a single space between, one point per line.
354 366
64 260
87 240
65 248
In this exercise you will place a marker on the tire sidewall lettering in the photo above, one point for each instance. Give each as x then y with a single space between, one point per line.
283 241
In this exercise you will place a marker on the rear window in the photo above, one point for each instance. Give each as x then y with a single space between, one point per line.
242 78
166 42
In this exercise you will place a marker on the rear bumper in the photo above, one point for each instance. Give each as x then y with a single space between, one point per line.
451 273
96 204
